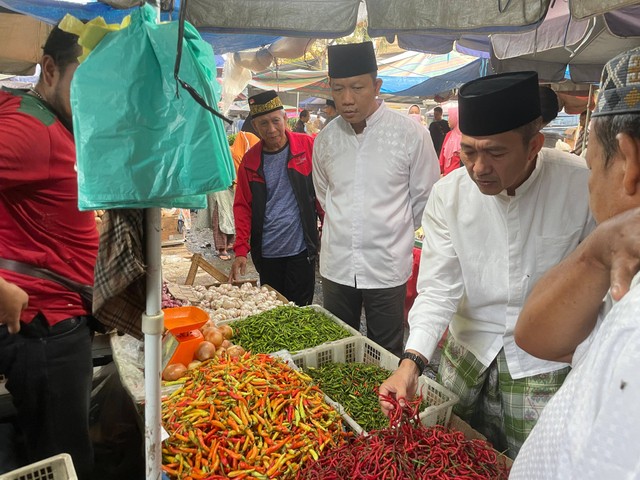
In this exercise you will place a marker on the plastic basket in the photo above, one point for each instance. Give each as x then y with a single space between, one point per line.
362 350
317 308
59 467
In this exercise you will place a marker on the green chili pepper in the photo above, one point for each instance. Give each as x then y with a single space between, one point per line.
355 387
287 327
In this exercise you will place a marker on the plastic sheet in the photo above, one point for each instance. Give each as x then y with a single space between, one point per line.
140 142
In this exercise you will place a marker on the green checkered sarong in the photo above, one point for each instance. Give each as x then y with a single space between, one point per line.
501 408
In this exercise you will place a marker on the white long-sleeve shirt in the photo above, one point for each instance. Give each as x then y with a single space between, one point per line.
373 188
482 255
589 429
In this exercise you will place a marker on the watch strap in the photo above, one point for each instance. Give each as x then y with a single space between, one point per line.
417 359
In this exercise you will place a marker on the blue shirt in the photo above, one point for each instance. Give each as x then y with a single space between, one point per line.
282 234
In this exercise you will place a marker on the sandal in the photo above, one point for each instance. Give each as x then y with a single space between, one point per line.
224 256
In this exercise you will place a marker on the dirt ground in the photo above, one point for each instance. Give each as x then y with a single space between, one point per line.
176 260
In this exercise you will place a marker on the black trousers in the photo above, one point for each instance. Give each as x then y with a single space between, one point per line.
294 277
49 372
383 308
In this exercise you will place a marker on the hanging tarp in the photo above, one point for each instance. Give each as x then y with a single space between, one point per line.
449 81
453 16
587 8
140 142
52 11
474 45
318 18
333 18
21 40
399 72
584 46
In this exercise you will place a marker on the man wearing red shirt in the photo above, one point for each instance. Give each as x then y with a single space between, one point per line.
48 362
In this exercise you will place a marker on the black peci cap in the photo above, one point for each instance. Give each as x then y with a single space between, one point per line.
351 60
498 103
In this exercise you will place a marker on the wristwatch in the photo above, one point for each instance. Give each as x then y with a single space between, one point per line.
417 359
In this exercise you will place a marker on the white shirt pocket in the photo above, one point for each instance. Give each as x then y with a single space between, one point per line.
551 250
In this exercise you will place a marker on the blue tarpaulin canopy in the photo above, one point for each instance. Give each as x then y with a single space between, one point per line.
448 81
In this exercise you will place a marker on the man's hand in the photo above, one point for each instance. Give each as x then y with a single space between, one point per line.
238 269
13 300
402 384
615 245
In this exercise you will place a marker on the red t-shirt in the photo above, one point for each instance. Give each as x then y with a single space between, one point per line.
40 223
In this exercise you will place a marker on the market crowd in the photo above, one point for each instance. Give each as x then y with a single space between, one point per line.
513 265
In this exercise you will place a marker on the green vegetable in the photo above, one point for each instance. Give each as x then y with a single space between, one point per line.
287 327
355 387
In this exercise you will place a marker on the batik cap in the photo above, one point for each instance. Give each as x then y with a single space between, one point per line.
263 103
620 85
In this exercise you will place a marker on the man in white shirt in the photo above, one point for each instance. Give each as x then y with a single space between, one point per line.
490 233
589 429
373 170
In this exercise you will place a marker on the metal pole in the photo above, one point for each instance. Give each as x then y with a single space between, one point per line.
152 327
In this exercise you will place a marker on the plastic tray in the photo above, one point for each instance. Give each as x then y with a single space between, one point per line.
360 349
317 308
59 467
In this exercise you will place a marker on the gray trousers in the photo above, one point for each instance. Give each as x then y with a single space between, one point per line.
383 308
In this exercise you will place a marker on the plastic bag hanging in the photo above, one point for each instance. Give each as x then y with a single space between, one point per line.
139 144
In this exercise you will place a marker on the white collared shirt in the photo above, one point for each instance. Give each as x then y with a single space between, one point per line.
589 429
373 188
482 255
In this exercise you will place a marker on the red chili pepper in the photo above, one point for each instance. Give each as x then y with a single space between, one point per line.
409 450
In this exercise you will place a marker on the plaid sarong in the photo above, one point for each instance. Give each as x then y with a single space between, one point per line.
501 408
119 291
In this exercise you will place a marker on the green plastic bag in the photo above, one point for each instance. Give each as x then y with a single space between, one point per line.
138 143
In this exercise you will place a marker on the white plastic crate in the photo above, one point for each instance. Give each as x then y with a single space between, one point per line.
59 467
362 350
317 308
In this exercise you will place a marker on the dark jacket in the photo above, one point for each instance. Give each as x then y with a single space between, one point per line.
251 197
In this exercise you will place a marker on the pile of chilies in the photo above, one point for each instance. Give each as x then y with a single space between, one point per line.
408 450
246 417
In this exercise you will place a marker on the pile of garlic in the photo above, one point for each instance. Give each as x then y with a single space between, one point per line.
227 301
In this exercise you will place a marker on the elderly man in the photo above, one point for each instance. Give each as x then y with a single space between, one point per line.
589 429
275 210
373 170
490 233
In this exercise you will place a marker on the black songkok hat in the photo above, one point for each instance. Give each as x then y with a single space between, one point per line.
263 103
351 60
549 104
620 85
498 103
331 103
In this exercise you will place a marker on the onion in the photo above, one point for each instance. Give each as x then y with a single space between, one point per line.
205 351
226 344
214 336
227 331
174 371
235 351
194 364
